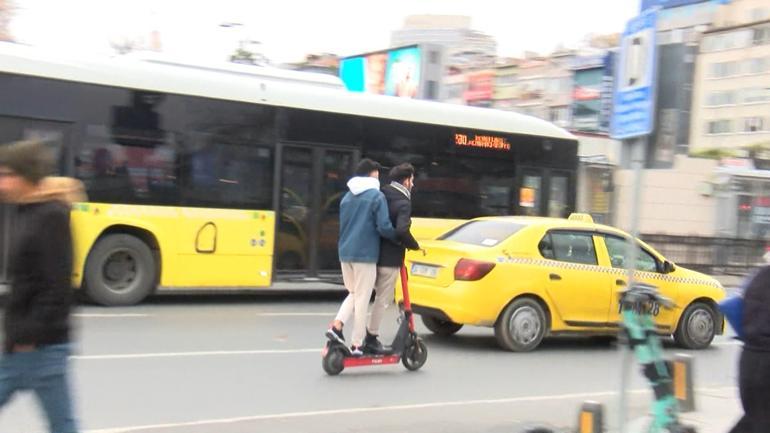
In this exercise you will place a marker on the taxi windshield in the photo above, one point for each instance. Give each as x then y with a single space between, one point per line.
483 233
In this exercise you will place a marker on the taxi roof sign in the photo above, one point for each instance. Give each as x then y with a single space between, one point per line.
583 217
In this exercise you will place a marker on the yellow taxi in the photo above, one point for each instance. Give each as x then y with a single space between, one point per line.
531 277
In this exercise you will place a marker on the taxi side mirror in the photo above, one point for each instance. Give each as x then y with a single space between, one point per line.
668 267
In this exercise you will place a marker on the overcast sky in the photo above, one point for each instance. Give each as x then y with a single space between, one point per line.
288 29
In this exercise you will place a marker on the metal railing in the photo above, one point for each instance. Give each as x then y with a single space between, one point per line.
710 255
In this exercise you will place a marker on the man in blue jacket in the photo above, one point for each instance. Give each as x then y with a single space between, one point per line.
363 220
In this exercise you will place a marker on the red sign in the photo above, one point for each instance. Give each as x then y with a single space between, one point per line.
586 93
480 86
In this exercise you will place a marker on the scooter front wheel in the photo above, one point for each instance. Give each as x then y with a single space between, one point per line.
415 356
334 361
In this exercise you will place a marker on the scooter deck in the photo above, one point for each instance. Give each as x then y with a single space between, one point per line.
364 361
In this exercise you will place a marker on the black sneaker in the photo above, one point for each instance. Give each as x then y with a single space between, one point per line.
335 335
372 344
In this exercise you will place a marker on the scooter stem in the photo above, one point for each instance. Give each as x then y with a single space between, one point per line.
407 303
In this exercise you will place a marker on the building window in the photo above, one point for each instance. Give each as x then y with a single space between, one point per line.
756 66
730 40
716 99
430 92
753 124
762 36
723 126
724 69
756 95
559 115
455 91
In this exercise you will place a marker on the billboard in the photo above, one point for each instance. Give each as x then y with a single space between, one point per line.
480 90
395 72
633 106
586 99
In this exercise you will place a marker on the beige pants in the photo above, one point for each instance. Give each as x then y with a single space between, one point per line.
384 288
359 279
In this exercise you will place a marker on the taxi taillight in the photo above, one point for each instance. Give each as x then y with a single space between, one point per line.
472 270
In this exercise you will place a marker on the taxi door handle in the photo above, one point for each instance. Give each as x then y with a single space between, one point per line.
620 282
554 277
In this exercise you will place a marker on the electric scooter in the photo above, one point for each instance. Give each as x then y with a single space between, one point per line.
638 304
407 347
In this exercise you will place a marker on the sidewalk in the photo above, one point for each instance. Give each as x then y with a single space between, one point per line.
717 412
729 280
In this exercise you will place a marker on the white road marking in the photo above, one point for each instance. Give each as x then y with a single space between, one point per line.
317 314
191 354
727 343
109 315
356 410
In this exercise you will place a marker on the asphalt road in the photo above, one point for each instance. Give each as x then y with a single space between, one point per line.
252 364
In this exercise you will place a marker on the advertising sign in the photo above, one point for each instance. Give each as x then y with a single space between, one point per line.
395 72
608 84
666 4
586 99
633 110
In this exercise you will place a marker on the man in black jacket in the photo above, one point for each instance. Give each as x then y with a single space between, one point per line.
754 368
398 195
37 311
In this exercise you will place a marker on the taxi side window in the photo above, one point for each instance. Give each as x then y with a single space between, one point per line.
618 248
569 247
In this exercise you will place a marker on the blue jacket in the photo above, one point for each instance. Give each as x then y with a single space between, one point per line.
363 219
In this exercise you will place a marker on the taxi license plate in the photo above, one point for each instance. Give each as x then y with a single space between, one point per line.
424 271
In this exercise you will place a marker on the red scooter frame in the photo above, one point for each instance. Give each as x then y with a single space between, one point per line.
407 347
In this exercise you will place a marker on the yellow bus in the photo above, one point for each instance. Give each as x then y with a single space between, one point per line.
229 178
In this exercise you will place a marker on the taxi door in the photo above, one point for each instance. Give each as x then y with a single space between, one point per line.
576 285
613 252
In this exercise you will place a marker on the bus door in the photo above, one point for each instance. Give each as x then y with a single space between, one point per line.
544 192
55 134
312 183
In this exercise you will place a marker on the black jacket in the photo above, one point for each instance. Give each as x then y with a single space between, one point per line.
38 306
400 212
756 312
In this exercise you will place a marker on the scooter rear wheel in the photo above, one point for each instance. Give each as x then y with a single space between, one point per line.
334 361
415 356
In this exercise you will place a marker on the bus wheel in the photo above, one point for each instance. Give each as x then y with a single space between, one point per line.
120 270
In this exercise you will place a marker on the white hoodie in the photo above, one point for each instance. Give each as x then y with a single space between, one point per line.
361 184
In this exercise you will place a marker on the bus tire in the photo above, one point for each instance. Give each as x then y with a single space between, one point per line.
120 270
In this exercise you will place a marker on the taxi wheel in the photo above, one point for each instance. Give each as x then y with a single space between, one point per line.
441 327
697 327
522 326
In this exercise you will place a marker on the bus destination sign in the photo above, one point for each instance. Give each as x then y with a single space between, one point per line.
482 141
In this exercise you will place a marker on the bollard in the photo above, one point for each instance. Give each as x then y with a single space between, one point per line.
682 379
591 418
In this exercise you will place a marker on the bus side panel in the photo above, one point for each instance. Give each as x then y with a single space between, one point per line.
222 248
90 220
198 247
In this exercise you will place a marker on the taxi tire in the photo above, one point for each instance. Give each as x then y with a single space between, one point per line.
97 289
441 327
503 333
682 336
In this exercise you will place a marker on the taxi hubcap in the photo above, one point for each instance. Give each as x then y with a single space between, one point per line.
525 325
700 326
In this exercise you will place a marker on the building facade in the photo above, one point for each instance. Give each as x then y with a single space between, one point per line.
731 107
